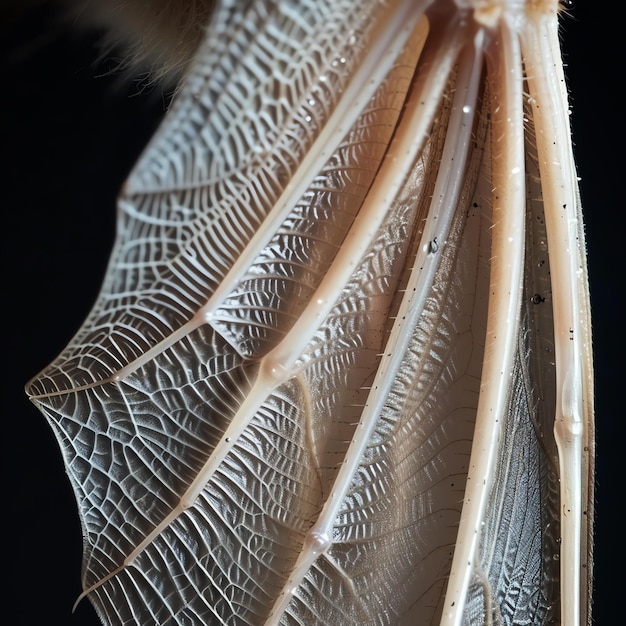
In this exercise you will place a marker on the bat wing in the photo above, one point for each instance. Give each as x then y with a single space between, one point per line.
337 372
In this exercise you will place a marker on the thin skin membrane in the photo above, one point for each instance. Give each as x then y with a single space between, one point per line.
314 388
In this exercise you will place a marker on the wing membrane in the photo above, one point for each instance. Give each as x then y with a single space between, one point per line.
313 333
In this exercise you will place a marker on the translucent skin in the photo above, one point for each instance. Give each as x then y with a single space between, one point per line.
308 296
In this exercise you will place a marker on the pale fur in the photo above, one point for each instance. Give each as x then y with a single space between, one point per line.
160 36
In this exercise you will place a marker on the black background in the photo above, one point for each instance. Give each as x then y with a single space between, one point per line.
70 131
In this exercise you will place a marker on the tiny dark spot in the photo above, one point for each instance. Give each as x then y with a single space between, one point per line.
537 299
